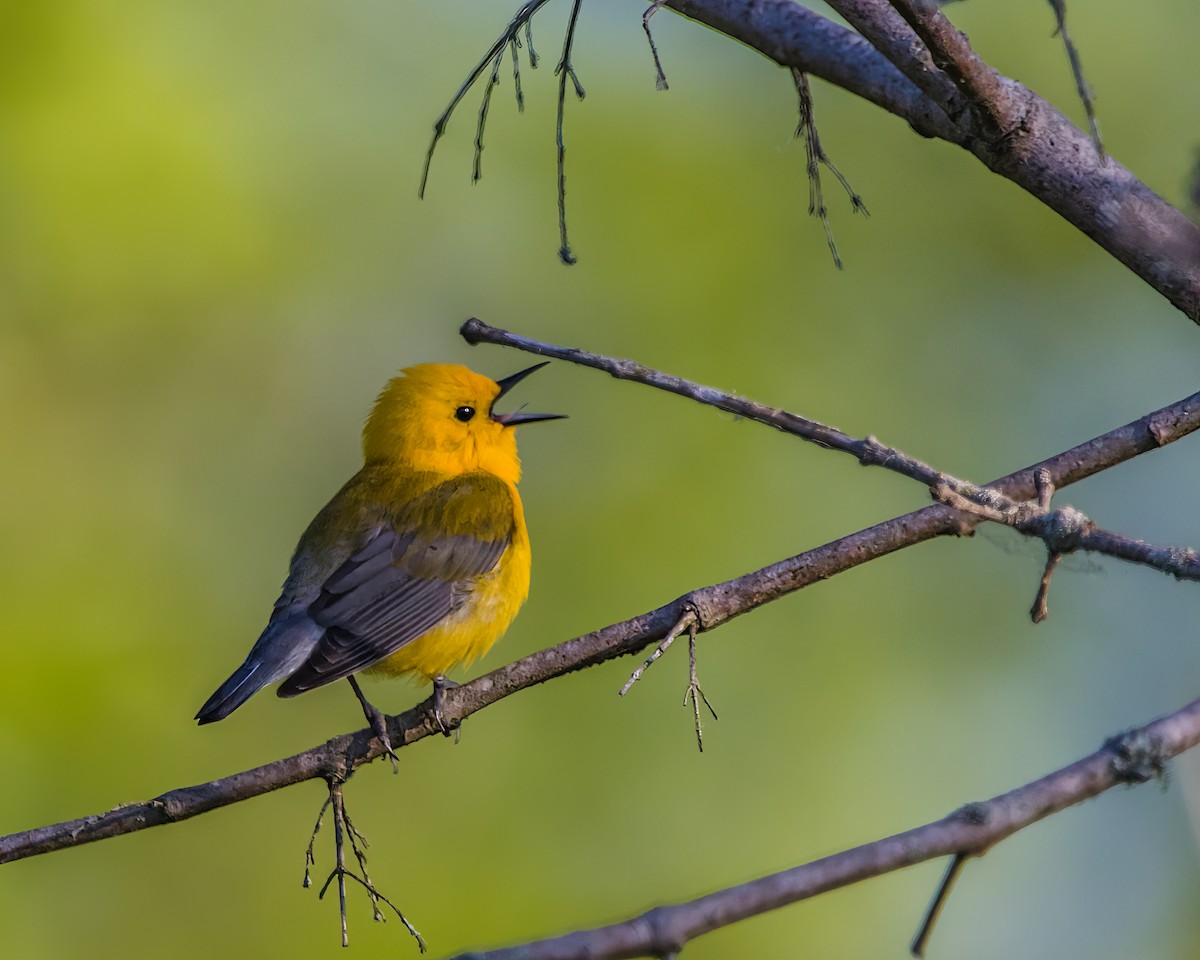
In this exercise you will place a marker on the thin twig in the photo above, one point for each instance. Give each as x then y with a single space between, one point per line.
921 940
493 82
1081 85
310 859
339 845
686 622
815 156
345 832
660 78
515 45
694 691
563 71
520 19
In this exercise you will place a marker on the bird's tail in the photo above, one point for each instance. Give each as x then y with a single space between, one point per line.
246 681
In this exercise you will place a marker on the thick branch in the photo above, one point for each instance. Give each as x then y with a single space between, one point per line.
797 37
1133 757
982 86
340 757
1026 139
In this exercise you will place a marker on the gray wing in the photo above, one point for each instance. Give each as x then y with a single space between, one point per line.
399 585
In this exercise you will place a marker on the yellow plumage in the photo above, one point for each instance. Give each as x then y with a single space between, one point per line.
420 562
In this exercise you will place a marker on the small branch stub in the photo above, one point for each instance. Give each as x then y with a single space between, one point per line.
688 620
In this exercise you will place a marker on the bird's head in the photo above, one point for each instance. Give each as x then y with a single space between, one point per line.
439 417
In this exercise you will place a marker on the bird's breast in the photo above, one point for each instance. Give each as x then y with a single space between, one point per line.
483 609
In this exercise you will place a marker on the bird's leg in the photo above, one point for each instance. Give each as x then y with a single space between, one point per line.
442 683
343 830
377 721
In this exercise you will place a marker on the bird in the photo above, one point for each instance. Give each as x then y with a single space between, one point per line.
418 564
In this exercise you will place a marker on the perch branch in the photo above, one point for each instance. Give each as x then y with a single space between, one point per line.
339 757
1063 531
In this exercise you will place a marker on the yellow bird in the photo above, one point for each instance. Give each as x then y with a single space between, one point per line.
419 563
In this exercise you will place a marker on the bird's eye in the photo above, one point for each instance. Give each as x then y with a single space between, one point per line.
464 413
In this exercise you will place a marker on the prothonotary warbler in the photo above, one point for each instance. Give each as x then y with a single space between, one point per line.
419 563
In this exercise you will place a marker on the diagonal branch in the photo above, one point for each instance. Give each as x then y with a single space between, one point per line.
340 757
1063 531
1133 757
1024 139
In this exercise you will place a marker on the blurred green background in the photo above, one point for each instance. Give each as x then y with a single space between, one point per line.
211 258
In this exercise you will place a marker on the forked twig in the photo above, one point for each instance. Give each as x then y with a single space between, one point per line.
694 692
520 19
493 58
815 156
343 831
688 620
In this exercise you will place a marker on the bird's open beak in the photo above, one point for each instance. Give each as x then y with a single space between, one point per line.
517 417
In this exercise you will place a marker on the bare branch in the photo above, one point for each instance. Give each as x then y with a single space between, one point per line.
970 831
1063 531
1025 139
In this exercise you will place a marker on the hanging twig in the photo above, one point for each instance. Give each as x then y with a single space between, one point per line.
345 832
921 940
815 156
660 78
564 70
694 692
1081 85
521 19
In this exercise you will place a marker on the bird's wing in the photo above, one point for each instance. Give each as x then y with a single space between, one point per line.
414 569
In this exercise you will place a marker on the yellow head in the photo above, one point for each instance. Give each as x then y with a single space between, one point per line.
439 417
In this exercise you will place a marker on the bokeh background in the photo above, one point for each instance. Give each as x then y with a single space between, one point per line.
211 258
